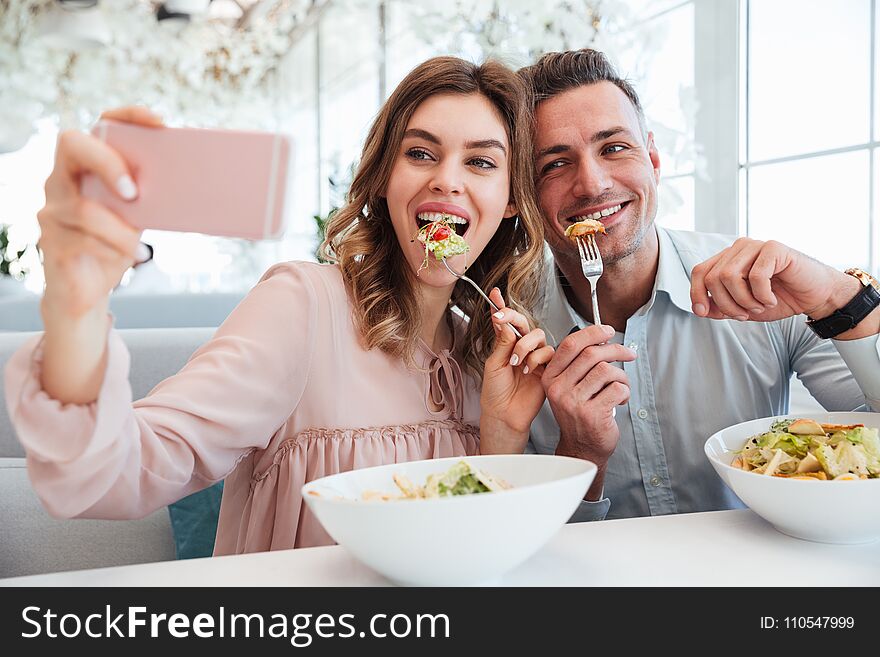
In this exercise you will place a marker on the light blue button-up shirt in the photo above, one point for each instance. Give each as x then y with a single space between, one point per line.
694 376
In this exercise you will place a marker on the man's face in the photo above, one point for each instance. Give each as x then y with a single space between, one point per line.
592 158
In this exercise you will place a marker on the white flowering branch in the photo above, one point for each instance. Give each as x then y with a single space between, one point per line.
203 72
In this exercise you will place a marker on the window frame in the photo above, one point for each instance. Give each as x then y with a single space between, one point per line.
739 178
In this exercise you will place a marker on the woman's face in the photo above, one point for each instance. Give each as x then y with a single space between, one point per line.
453 160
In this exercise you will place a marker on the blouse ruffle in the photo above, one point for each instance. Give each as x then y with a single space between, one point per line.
274 516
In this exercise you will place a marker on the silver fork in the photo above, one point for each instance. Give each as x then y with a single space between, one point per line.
478 289
591 265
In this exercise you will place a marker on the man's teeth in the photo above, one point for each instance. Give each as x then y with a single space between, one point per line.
607 212
440 216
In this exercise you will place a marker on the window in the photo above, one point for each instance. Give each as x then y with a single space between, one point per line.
663 73
808 147
22 174
338 74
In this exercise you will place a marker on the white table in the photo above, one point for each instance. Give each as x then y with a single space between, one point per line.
697 549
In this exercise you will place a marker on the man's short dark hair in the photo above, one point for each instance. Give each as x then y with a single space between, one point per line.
557 72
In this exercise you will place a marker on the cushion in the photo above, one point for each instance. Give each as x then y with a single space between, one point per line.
194 522
35 543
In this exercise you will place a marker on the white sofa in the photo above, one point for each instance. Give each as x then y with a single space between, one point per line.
32 542
22 312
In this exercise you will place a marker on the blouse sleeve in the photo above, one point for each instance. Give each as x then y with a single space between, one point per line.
115 459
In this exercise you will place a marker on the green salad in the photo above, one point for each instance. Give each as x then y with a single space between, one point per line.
461 479
440 239
806 449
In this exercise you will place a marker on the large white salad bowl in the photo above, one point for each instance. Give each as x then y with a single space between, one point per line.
462 540
823 511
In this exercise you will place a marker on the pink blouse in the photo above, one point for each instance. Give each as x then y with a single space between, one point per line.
282 394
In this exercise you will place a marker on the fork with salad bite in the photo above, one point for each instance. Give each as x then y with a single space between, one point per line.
480 290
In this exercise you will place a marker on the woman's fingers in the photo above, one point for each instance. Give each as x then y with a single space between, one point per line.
509 348
79 248
504 316
103 224
79 153
497 299
536 360
530 341
134 114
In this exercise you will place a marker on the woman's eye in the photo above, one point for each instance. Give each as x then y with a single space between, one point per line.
482 163
418 154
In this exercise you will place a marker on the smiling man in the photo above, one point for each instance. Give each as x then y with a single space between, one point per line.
698 331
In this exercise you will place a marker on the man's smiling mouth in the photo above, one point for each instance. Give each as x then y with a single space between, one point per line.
605 215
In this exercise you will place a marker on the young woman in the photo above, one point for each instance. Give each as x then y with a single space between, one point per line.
321 368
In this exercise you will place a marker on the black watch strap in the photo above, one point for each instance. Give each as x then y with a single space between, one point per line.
845 318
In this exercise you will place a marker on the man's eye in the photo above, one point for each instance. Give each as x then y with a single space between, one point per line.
418 154
482 163
550 166
614 148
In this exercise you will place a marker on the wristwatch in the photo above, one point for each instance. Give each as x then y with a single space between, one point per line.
861 305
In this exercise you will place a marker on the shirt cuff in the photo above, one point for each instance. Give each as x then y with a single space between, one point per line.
588 511
862 356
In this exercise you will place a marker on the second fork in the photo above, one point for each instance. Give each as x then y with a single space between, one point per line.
592 267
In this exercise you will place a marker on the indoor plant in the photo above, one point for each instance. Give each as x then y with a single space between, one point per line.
12 271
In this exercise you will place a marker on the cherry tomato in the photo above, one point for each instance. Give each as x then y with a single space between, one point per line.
441 233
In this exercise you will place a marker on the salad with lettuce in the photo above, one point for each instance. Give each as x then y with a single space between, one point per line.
440 239
806 449
461 479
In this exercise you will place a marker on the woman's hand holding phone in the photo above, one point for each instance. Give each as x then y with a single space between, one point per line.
86 249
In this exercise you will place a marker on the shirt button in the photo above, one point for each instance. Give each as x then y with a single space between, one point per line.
656 481
633 346
642 413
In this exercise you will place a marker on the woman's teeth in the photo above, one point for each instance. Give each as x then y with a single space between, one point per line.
459 224
596 216
440 216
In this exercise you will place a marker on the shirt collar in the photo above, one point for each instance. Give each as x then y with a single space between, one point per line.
673 275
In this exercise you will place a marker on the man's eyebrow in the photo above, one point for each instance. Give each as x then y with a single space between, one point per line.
554 150
602 135
418 133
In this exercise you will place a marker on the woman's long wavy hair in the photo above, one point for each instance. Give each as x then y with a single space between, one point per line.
361 239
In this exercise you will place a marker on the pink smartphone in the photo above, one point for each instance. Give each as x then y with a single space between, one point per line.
228 183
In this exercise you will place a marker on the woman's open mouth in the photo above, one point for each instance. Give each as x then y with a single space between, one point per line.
458 224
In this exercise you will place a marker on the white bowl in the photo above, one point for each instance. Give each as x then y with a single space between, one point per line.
823 511
469 539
